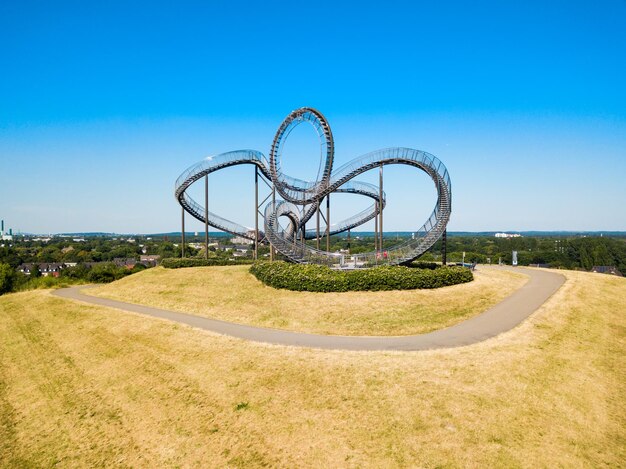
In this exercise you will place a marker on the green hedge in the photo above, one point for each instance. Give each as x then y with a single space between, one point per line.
424 265
177 263
318 278
7 278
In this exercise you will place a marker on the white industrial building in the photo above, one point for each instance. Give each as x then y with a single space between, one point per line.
4 236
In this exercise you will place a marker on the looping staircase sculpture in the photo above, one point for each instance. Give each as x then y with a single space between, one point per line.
301 199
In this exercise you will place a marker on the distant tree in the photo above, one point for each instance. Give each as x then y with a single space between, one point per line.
96 256
10 256
7 278
78 271
601 255
138 268
34 271
104 273
167 249
586 262
49 254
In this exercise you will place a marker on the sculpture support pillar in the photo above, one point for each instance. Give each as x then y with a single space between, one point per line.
328 223
256 212
182 231
380 195
206 216
376 206
444 247
272 250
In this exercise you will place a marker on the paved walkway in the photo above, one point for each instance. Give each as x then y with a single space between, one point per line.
500 318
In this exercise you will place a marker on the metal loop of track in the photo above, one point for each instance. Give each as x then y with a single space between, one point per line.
301 199
292 189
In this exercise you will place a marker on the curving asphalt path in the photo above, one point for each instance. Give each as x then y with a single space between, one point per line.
496 320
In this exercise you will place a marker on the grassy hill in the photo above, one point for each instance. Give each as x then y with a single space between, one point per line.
233 294
91 386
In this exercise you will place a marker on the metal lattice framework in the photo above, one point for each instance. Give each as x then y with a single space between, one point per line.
302 200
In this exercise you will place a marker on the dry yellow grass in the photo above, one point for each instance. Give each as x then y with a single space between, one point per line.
90 386
233 294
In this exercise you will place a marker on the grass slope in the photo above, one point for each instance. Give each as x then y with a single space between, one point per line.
233 294
90 386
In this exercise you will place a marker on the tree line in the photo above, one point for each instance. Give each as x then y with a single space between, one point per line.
575 252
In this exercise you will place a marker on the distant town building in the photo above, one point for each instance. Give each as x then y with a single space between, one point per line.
4 236
606 269
128 262
508 235
149 261
239 250
241 240
47 269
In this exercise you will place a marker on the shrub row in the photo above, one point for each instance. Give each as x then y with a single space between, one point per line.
177 263
424 265
318 278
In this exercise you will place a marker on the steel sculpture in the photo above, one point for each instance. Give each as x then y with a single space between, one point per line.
286 218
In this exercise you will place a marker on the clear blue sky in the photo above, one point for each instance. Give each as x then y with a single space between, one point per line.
103 104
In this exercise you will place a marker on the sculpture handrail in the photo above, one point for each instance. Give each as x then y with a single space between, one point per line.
214 163
239 157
